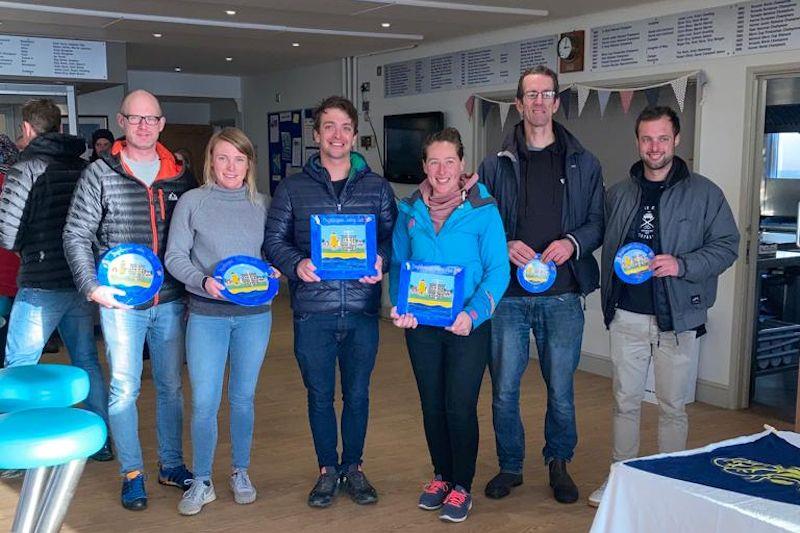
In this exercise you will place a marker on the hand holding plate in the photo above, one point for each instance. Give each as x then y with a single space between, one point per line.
305 271
462 325
104 295
520 253
405 321
372 280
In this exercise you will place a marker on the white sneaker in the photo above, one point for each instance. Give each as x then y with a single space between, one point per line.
243 490
597 495
199 494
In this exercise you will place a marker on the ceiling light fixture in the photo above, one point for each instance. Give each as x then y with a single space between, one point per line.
386 24
461 7
157 35
229 59
177 69
295 44
230 12
203 22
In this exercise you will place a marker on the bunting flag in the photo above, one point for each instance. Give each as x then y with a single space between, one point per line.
602 98
583 96
625 98
504 110
652 96
564 97
679 87
486 108
470 106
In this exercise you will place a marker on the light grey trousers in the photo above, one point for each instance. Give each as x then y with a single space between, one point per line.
635 339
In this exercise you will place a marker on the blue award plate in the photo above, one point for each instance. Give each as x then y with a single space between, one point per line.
248 281
133 268
632 263
343 246
536 276
433 293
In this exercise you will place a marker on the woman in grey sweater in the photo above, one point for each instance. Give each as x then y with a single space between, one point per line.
224 217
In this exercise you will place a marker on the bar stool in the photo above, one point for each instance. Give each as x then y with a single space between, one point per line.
41 434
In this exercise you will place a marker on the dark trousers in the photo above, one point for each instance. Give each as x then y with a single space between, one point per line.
449 370
319 340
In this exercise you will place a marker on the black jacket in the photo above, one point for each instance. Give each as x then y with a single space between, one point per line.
112 207
582 209
33 207
288 241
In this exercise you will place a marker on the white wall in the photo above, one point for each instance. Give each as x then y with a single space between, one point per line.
181 84
187 112
106 103
298 88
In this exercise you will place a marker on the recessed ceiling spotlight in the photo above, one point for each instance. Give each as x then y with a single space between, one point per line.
295 44
386 24
158 35
177 69
229 59
230 12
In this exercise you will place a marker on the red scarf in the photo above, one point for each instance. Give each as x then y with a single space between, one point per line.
440 206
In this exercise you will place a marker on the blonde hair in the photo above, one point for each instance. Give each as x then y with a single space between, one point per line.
241 142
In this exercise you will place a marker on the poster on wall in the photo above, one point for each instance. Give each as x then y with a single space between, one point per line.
310 146
285 146
52 58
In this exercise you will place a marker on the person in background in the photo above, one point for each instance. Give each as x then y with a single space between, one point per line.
333 319
102 139
223 218
549 190
128 197
451 219
686 221
9 261
35 199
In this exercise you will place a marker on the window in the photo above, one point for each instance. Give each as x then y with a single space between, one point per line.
782 155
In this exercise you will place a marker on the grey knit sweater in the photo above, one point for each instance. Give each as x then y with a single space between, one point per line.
209 224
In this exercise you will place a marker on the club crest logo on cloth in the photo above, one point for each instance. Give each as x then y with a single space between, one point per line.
757 472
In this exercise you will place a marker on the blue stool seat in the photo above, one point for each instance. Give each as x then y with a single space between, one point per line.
47 437
36 386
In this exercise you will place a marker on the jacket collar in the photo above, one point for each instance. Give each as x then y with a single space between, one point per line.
511 144
54 145
678 172
170 167
358 168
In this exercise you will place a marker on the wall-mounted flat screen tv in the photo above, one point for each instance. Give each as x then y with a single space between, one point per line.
403 136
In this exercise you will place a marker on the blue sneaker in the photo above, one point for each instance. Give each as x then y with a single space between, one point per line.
178 476
456 505
134 497
434 494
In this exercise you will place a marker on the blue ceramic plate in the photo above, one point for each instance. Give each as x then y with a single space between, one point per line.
632 263
535 276
133 268
248 281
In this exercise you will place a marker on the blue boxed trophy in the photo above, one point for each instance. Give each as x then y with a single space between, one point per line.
134 269
536 277
433 293
632 263
248 281
343 246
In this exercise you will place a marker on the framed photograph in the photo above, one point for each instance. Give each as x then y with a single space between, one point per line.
87 124
343 246
433 293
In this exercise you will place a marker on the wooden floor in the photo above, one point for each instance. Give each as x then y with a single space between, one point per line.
396 458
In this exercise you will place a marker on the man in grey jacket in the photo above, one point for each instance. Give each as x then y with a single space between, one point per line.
684 218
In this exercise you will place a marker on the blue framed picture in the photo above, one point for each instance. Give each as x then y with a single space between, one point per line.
134 269
343 246
248 281
433 293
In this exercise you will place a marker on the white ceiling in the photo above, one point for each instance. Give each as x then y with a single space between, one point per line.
203 49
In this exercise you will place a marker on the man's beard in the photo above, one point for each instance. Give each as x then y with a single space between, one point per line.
663 163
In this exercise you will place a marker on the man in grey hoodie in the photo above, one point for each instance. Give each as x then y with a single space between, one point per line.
684 218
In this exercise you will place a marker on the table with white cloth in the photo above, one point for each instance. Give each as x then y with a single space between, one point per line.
640 501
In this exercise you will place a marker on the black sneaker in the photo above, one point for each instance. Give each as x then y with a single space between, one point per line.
325 490
106 453
358 487
500 485
564 489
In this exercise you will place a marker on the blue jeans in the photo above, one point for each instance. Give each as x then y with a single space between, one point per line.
35 314
557 324
125 332
209 342
319 339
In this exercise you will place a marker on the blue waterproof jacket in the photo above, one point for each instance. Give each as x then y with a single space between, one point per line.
472 237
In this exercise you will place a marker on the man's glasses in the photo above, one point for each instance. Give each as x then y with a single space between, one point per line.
135 120
546 95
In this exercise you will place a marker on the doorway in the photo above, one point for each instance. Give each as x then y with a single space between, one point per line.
14 95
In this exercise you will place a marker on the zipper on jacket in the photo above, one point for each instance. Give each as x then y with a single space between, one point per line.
161 205
153 228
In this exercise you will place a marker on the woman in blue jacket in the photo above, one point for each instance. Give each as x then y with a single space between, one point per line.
451 220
